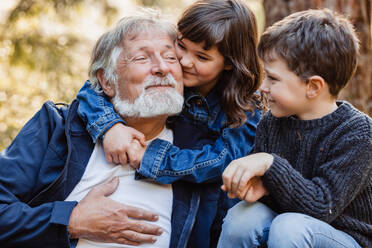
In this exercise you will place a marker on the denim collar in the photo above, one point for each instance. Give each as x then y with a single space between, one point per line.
211 100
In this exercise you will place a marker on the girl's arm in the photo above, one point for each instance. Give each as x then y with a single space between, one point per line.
97 112
99 115
167 163
163 161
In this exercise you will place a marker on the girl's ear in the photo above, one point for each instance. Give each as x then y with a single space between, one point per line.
315 86
227 67
107 87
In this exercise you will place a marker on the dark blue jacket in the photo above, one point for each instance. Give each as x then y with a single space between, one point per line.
39 170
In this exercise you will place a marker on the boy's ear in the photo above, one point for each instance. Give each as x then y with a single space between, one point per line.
107 87
315 86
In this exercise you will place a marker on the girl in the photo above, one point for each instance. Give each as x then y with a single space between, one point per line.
216 47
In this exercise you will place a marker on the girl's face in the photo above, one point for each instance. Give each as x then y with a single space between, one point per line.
201 68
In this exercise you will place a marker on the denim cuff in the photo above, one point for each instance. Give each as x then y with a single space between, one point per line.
99 128
153 158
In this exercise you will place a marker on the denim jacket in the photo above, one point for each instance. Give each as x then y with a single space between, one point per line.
40 169
203 146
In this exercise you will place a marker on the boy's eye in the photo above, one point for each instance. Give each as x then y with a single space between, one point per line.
271 78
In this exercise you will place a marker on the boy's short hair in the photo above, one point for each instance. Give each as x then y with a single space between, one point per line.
314 42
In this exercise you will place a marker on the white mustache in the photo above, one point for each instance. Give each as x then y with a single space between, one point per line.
156 81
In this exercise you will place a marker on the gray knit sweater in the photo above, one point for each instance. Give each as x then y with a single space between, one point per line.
322 168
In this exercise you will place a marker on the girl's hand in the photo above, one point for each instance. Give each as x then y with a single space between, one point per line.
118 145
240 171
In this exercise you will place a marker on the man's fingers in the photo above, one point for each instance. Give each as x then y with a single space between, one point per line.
125 241
140 214
138 237
106 189
145 228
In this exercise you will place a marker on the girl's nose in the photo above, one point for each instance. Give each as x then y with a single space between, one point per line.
186 61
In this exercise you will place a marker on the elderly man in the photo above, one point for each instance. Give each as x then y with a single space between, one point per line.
57 189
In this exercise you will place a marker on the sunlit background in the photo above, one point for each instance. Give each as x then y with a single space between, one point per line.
45 48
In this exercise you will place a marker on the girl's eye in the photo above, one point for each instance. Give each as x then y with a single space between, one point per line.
202 58
180 45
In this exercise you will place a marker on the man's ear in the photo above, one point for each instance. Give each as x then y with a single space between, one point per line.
315 86
107 87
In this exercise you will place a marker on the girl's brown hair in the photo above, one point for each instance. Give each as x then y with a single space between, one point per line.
231 26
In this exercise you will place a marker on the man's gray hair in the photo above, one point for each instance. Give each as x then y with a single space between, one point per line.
109 46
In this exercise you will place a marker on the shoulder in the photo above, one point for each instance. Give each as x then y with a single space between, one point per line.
354 124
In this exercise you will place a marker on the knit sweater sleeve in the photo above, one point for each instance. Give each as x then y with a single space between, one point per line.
346 171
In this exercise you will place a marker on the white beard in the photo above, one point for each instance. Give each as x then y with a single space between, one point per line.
151 102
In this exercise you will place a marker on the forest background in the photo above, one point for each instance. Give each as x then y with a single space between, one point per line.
45 47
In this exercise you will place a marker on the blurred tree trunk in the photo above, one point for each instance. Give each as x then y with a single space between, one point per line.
359 89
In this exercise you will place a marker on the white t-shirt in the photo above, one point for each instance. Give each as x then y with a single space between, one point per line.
157 198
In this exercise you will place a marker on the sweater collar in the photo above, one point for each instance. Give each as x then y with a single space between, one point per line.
343 111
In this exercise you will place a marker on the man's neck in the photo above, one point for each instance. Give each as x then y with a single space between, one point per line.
150 127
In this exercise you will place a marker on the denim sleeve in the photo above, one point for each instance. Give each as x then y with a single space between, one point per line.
167 163
22 225
96 111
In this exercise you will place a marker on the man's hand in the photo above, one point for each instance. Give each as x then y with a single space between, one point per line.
118 145
241 176
98 218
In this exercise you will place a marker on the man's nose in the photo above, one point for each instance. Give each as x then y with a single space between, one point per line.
160 68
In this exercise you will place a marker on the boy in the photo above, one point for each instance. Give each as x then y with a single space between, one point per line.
313 155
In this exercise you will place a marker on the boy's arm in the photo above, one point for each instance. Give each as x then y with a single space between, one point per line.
97 111
335 184
167 163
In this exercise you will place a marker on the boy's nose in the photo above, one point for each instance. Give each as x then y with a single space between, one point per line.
264 86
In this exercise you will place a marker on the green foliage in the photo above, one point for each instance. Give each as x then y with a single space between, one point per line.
43 57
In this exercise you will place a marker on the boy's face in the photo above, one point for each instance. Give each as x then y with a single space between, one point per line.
285 91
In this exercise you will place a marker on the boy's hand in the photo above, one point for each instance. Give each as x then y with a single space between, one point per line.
252 192
118 145
240 171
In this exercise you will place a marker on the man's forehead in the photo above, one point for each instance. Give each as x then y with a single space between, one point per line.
146 39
